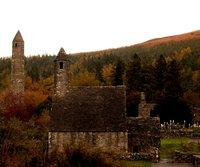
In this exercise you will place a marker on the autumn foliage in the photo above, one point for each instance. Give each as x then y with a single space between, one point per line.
22 107
23 132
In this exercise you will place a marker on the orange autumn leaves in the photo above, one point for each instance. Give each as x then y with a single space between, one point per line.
22 107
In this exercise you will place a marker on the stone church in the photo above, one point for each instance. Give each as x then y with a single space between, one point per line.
91 115
96 116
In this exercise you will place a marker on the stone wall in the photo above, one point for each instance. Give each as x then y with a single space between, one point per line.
175 133
196 160
182 157
196 113
144 108
108 141
144 135
186 157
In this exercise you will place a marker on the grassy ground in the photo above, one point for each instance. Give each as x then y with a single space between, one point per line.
167 147
172 144
135 164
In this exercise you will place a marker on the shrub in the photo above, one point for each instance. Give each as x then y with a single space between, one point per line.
21 143
22 134
77 156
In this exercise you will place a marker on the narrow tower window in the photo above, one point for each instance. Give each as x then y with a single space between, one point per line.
16 45
61 65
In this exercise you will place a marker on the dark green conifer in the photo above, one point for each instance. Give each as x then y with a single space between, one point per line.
173 79
133 74
118 73
160 73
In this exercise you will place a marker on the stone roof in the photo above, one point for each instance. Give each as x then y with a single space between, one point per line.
62 56
18 37
91 109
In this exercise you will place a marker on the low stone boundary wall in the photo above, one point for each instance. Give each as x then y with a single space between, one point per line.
138 157
178 133
196 160
184 157
181 157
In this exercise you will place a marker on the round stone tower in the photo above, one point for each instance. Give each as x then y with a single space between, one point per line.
17 67
61 73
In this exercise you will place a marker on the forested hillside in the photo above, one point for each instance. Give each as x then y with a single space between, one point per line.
141 67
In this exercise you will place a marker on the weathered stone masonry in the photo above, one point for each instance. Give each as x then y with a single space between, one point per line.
144 107
112 141
96 116
144 135
61 73
91 115
17 69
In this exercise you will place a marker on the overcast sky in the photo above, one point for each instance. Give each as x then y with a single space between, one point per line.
88 25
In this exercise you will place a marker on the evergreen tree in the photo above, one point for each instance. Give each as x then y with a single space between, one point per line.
133 74
173 80
35 74
171 106
98 70
148 81
118 73
160 73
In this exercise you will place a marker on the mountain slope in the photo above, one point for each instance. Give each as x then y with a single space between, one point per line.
153 48
175 38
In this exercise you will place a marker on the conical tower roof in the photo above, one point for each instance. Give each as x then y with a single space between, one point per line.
18 37
61 55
